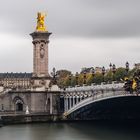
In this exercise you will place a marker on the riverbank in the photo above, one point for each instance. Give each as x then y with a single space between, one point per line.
42 118
28 118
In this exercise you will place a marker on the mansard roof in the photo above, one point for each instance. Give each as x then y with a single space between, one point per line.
15 75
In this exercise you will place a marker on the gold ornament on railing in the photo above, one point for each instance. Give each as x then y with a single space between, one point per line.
41 22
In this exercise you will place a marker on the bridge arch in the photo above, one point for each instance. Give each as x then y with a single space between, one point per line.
117 107
100 101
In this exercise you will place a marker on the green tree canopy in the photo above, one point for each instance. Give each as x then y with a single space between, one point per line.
63 73
120 74
63 78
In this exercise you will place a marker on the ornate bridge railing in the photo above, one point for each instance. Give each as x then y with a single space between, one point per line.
77 97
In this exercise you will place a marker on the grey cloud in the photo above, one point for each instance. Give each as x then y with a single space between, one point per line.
85 32
94 18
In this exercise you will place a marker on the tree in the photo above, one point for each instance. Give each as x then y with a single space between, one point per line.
63 73
120 74
109 76
89 79
81 79
98 78
63 78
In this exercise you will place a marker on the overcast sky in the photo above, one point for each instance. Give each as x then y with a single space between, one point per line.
86 33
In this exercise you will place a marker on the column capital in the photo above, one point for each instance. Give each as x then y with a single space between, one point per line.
40 35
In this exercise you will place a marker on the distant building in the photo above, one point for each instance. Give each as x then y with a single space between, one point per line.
137 65
89 70
98 70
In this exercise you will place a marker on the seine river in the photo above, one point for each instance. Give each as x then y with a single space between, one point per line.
71 131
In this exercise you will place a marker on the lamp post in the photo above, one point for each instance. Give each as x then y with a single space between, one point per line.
110 65
93 74
113 71
103 72
93 71
85 76
77 77
70 76
127 68
54 76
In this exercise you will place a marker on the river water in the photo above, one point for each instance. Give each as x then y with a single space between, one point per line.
71 131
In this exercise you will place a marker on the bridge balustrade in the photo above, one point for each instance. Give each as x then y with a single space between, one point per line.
77 96
95 87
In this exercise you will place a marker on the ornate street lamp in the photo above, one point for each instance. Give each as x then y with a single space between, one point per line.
70 77
110 65
103 72
53 72
54 76
127 67
93 74
113 71
92 71
77 77
85 76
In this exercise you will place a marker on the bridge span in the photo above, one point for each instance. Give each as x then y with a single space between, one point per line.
103 101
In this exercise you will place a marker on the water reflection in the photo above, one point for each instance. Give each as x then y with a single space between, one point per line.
72 131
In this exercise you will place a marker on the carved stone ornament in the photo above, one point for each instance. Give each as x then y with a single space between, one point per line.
42 51
42 82
32 82
1 83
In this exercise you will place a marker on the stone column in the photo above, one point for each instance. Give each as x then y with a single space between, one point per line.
80 97
69 102
73 100
66 103
50 103
40 53
77 101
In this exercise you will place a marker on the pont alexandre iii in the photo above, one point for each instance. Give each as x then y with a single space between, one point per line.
31 93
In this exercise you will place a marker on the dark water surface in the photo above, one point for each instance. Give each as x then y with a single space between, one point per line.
72 131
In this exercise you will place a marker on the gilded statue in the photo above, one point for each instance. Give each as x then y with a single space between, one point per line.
41 22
